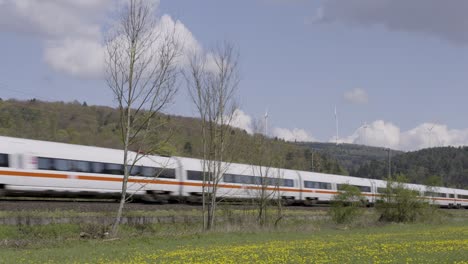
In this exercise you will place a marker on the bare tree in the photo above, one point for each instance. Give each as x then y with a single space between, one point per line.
267 181
212 83
141 71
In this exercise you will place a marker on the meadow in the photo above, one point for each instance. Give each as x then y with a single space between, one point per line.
296 241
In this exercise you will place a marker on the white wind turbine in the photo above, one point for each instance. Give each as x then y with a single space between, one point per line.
336 122
429 130
364 126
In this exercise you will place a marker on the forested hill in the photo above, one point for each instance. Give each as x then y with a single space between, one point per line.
446 166
78 123
350 156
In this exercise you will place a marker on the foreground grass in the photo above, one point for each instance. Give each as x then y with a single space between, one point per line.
416 243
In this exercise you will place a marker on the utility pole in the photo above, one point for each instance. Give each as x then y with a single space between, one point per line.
389 164
312 160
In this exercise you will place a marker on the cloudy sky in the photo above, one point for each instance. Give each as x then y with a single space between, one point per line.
397 71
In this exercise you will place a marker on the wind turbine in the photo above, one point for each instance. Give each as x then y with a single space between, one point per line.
266 122
336 121
430 135
365 126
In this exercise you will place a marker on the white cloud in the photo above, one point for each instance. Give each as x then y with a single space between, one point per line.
51 18
244 121
77 57
72 31
433 135
241 120
295 134
446 20
385 134
183 37
356 96
379 133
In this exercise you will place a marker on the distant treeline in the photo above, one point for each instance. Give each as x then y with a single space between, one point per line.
79 123
447 166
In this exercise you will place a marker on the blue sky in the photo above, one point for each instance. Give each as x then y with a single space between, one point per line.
398 67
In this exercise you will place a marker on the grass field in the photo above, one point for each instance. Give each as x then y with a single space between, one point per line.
416 243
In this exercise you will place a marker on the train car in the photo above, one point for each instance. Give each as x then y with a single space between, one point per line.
461 198
321 188
49 169
240 181
445 197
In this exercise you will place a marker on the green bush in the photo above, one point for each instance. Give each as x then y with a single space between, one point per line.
346 205
401 204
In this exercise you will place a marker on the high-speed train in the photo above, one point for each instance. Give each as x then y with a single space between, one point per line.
50 169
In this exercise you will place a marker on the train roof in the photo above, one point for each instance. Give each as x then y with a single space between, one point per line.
51 149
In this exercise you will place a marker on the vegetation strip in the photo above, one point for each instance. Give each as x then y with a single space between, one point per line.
390 244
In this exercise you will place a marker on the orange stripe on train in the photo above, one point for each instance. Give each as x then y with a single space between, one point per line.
159 181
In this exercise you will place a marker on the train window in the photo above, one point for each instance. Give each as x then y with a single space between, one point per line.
461 196
361 188
435 194
257 180
317 185
135 171
248 179
45 164
451 195
288 183
364 188
111 168
148 171
165 173
195 175
239 179
80 166
229 178
4 160
273 181
97 167
62 165
260 180
381 190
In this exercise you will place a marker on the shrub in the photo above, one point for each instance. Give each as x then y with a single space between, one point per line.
400 203
346 205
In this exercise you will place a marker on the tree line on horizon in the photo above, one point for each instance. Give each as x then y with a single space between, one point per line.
438 166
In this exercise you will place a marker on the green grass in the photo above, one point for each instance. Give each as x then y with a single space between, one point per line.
416 243
300 237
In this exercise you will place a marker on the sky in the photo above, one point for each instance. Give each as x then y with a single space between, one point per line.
395 71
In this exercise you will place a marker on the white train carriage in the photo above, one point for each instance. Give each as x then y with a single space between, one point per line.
445 197
240 181
461 198
56 169
321 188
440 196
